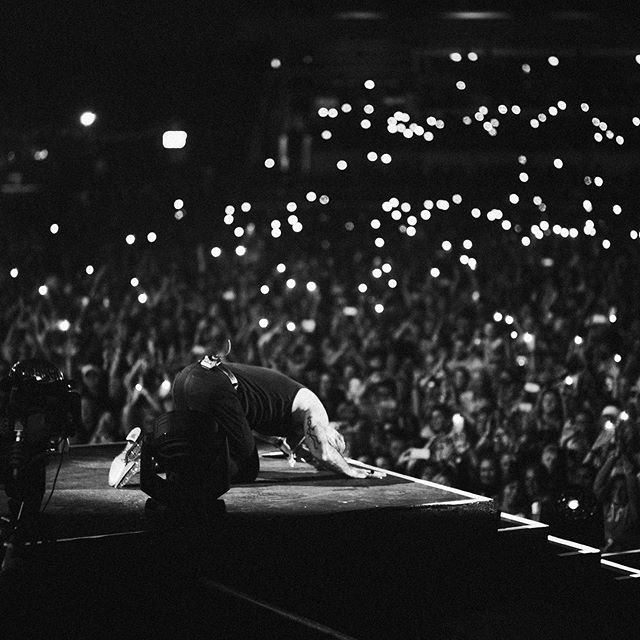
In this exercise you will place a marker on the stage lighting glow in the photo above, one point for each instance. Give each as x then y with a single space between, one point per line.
229 219
333 113
238 232
461 85
553 61
291 326
341 165
405 206
130 239
263 323
54 228
434 272
142 298
524 177
87 118
324 199
386 158
514 335
558 164
475 212
376 273
174 139
379 308
246 207
269 163
514 198
446 245
396 214
14 272
326 134
372 156
506 225
509 319
375 223
606 244
152 236
369 84
276 63
89 269
346 108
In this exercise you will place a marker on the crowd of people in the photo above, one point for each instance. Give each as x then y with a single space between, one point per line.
518 380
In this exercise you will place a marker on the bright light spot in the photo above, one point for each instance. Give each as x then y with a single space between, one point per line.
342 165
130 239
534 123
296 227
558 164
598 181
291 283
362 287
178 203
473 56
375 223
376 273
612 318
464 259
526 68
411 231
311 286
553 111
263 323
369 84
276 63
435 272
475 212
553 61
597 136
152 236
324 199
43 290
142 298
311 196
617 209
174 139
291 326
515 109
497 316
372 156
523 177
578 340
346 108
514 198
292 219
41 154
455 56
573 504
264 289
379 308
365 123
446 245
587 206
526 241
606 244
326 134
562 105
617 358
333 113
633 234
54 228
461 85
238 232
229 219
368 109
216 252
514 335
428 136
64 325
392 283
405 206
585 107
442 204
89 269
379 242
269 163
386 158
245 206
506 225
412 221
87 118
14 272
503 109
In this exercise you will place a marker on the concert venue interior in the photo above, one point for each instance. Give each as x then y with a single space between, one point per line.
427 213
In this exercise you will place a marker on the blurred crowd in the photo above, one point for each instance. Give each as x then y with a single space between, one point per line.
518 380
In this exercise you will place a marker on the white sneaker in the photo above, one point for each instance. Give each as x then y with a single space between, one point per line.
127 464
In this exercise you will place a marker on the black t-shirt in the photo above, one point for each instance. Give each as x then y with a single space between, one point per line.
266 397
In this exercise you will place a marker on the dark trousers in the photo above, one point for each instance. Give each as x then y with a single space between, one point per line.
209 391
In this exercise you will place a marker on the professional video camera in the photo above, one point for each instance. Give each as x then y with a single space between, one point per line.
39 409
